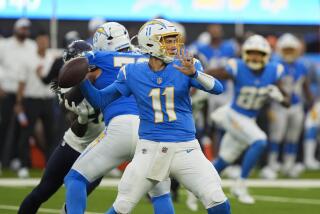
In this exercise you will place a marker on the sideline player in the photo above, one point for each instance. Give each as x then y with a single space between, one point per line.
84 129
120 137
311 126
255 81
167 144
287 124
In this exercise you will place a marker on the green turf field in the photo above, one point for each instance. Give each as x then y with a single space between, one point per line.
269 201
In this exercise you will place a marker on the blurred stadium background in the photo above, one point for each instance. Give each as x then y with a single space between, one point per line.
202 21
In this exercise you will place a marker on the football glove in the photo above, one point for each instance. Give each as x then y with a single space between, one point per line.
275 93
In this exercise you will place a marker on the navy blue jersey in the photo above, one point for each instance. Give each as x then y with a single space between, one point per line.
163 100
250 89
110 64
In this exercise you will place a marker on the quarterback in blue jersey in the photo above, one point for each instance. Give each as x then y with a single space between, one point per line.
167 144
287 124
255 81
118 142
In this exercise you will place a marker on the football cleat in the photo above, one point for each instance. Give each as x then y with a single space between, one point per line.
240 191
192 201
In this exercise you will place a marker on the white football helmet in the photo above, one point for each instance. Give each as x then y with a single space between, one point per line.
151 39
288 41
256 43
111 36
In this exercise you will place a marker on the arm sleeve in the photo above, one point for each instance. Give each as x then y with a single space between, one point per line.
99 98
54 71
205 82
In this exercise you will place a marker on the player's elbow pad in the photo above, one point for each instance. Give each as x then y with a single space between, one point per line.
218 87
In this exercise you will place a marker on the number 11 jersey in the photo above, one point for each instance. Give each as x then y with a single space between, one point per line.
163 101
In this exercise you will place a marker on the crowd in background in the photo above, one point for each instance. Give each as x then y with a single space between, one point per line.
30 113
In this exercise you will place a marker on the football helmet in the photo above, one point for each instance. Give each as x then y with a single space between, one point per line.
256 43
75 49
111 36
288 47
151 39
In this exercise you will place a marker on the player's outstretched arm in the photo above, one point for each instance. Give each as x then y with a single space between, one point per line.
99 98
192 68
206 83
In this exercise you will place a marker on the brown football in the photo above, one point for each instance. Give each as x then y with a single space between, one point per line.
73 72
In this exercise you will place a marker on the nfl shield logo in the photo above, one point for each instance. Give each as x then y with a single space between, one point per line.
164 149
159 80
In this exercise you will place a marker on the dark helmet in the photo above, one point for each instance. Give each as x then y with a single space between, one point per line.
75 49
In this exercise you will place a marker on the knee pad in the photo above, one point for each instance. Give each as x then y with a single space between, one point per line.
212 198
123 206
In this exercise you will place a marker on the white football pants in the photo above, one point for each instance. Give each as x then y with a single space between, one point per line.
114 146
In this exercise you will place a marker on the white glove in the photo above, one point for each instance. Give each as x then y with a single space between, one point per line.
83 110
275 93
60 98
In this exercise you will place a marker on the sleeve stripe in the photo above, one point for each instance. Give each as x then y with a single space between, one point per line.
280 70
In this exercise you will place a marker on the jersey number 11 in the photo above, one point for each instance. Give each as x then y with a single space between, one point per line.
169 102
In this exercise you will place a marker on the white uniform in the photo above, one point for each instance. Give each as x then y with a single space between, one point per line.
313 116
157 160
286 123
241 131
116 144
80 143
94 129
312 124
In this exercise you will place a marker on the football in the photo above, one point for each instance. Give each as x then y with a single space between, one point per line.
73 72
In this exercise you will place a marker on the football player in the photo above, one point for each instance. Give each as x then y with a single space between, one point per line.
255 81
312 124
87 125
287 124
118 142
167 143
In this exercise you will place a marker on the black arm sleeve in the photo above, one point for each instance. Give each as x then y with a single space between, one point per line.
54 71
79 129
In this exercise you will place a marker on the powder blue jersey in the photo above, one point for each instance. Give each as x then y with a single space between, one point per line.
163 100
110 64
294 76
250 89
226 50
217 57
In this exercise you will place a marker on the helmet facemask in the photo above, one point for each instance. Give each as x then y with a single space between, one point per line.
170 46
255 64
256 52
159 38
